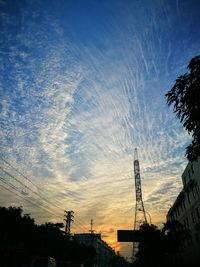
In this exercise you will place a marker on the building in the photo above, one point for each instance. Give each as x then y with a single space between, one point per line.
186 210
104 253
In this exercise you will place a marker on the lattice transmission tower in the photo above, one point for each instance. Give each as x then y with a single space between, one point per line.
140 214
68 218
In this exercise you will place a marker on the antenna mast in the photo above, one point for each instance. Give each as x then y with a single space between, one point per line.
91 227
140 214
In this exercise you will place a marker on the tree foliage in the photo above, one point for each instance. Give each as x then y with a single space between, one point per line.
158 247
21 239
185 98
152 248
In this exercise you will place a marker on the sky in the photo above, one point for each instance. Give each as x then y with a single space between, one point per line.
83 84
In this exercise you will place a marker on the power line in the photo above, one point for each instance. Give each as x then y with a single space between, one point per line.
18 171
78 228
26 199
6 188
29 188
70 193
24 176
53 204
40 196
15 188
81 225
81 222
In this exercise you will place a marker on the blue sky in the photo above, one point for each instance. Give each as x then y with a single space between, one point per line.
82 84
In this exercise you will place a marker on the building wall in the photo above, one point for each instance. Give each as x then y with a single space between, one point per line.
104 253
186 209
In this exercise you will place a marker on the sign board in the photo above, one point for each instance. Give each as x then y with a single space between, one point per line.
128 236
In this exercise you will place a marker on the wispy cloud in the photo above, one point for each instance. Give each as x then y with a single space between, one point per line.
73 110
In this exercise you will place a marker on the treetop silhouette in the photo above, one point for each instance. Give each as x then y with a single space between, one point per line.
185 98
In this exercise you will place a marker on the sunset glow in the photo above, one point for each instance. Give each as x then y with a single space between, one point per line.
83 84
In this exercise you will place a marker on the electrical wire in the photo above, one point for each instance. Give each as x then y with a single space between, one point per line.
27 187
16 189
17 180
78 220
26 199
81 225
25 177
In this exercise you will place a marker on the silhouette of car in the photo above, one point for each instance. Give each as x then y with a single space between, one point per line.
43 262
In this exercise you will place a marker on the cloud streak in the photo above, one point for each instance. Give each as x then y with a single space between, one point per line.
74 107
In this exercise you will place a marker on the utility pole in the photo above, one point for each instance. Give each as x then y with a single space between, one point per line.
92 234
68 218
91 227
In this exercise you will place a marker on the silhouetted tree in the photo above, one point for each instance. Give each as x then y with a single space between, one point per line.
158 247
21 239
175 233
151 249
16 231
118 261
185 97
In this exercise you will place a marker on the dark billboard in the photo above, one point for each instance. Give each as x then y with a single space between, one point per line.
128 236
